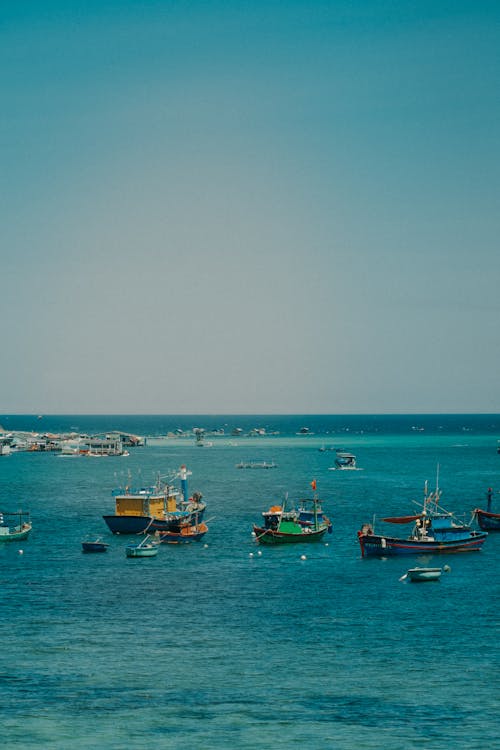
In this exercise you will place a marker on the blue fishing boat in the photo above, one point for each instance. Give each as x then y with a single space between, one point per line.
157 508
487 520
435 530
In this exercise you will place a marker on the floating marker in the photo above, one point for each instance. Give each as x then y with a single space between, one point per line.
303 557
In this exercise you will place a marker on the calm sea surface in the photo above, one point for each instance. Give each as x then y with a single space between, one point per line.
214 647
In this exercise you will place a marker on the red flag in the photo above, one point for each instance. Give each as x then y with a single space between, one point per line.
313 484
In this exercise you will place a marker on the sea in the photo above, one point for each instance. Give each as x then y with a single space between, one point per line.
225 644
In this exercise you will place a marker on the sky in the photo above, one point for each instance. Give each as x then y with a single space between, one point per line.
250 207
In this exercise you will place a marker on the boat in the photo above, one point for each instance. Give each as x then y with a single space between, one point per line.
157 508
185 534
94 545
309 510
257 465
345 461
422 575
487 520
146 548
281 526
435 530
15 532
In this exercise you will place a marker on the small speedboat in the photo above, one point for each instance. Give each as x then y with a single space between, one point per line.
143 549
95 545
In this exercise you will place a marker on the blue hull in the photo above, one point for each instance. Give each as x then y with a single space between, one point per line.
127 524
140 524
488 521
384 546
94 547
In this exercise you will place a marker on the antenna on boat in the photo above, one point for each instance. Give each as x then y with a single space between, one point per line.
437 485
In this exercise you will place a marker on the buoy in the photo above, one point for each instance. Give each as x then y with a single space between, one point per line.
446 568
20 551
205 546
259 552
251 554
254 534
303 557
326 544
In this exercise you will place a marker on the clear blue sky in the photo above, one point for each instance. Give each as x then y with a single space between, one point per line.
281 207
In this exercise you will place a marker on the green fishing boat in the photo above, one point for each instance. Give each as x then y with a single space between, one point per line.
293 526
14 532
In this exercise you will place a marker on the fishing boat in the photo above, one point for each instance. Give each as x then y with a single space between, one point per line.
422 575
146 548
157 508
15 531
281 526
487 520
435 530
94 545
185 534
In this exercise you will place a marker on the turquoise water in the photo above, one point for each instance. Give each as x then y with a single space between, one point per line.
210 647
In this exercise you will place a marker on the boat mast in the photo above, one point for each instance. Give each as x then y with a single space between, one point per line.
437 486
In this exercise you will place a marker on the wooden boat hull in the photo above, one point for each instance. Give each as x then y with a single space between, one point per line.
386 546
273 536
487 521
185 535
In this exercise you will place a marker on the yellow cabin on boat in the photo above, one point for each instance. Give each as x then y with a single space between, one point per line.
144 505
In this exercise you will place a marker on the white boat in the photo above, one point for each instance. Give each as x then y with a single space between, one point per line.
422 575
345 461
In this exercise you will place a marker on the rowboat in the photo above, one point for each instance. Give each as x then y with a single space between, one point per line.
420 575
96 545
143 549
